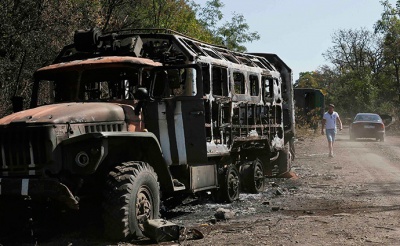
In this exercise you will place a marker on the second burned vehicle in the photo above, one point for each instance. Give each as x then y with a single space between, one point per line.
136 117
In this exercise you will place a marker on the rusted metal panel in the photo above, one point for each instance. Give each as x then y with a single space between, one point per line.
68 112
161 230
203 177
99 62
24 151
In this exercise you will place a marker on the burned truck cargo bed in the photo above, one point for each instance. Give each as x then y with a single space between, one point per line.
146 115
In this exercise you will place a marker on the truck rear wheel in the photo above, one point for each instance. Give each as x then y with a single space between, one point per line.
253 177
229 189
131 196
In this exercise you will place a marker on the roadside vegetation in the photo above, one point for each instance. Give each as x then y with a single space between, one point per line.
363 74
33 32
307 123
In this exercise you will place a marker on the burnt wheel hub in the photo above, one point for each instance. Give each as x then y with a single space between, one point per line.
143 205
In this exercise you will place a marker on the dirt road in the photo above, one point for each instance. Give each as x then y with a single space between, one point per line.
351 199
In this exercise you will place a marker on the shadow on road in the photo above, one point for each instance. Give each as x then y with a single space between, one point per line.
357 140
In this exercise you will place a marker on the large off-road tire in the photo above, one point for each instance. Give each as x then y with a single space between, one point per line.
253 177
229 189
131 196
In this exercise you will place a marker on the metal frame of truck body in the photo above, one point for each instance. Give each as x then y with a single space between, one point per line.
196 52
233 128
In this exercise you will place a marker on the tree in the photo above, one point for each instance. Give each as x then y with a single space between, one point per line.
307 80
232 34
389 26
236 32
356 56
31 34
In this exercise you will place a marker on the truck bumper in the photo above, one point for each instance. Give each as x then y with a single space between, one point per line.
38 188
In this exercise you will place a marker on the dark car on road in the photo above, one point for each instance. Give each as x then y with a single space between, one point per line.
367 125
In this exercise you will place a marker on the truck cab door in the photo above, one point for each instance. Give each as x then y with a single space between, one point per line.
176 114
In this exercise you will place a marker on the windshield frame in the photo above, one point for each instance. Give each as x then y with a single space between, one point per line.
103 65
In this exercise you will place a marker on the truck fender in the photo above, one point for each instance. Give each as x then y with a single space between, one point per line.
84 154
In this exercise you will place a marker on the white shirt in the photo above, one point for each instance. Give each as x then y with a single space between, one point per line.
330 122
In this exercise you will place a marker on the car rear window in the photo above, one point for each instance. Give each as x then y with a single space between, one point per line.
368 118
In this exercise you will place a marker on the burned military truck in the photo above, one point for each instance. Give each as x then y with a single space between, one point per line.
136 117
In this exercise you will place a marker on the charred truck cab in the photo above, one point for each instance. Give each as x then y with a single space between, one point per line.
135 117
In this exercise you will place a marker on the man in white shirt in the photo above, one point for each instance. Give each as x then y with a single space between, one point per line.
329 121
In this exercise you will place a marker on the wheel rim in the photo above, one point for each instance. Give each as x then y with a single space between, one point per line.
144 206
233 184
258 177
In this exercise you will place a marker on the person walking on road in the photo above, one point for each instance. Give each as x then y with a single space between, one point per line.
329 122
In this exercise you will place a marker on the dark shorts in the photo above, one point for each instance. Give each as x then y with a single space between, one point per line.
330 134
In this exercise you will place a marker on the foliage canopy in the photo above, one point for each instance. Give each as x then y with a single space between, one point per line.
364 70
33 32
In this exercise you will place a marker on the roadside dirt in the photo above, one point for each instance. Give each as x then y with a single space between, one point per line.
351 199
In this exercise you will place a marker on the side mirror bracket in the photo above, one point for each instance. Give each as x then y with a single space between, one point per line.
17 103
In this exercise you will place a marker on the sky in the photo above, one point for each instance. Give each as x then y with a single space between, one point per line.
299 31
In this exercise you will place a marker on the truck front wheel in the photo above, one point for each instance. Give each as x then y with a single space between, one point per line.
131 196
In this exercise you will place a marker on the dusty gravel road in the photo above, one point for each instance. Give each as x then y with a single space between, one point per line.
351 199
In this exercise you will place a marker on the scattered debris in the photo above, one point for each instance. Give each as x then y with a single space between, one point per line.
289 175
161 230
189 234
275 208
342 214
224 214
386 228
273 184
279 191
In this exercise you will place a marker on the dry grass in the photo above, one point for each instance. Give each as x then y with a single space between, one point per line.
307 125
